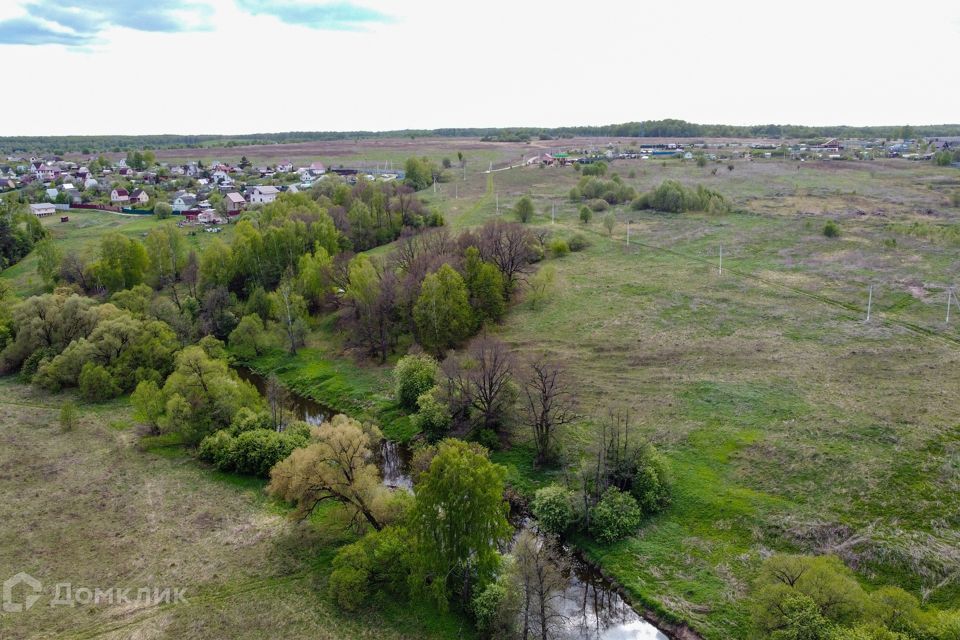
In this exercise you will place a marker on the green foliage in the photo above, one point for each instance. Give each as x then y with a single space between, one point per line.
49 257
598 205
433 417
801 620
68 416
254 451
419 173
459 519
831 229
524 209
162 210
492 609
594 169
442 312
122 262
585 214
379 560
578 242
651 482
673 197
542 285
413 376
148 403
249 339
485 286
552 506
616 516
559 247
609 223
575 195
96 383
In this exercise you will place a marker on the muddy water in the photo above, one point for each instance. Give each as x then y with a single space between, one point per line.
593 608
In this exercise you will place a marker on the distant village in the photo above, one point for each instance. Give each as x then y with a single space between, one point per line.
216 192
201 193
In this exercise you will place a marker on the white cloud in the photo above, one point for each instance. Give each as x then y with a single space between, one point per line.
500 63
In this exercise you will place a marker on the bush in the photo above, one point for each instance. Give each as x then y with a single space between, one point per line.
488 438
96 383
247 419
599 204
651 483
432 417
68 416
552 506
559 247
490 608
163 210
578 242
609 223
524 209
585 214
252 452
575 195
413 376
216 449
349 582
615 517
831 229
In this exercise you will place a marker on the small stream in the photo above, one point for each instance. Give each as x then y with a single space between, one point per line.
592 607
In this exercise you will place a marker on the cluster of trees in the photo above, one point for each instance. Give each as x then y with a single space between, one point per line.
946 157
19 230
254 443
673 197
818 598
592 190
609 489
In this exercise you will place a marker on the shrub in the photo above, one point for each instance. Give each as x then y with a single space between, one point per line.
247 419
552 506
349 581
432 417
96 383
575 195
413 376
487 437
68 416
490 608
256 452
609 222
148 403
701 160
216 449
559 247
599 204
651 481
831 229
585 214
578 242
615 517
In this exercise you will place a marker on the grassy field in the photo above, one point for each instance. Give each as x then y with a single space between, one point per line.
91 508
82 235
791 423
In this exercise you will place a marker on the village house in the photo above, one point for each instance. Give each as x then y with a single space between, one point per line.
184 202
139 196
120 196
42 209
263 194
234 202
317 168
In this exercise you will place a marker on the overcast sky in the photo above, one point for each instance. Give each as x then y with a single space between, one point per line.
244 66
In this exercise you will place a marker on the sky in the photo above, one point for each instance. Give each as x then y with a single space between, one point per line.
248 66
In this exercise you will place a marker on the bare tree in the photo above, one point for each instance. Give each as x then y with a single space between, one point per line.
548 404
482 383
509 245
538 576
277 398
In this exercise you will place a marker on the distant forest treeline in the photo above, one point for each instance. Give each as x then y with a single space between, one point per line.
646 129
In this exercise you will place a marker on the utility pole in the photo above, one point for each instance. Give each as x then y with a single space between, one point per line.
951 298
553 213
720 266
869 301
456 191
628 232
498 203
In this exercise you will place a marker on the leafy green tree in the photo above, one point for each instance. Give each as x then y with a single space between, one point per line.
216 265
552 506
166 254
249 339
314 277
290 310
162 210
524 209
68 416
148 404
413 376
802 620
609 223
585 214
122 262
417 173
458 520
485 286
616 516
433 417
442 312
49 257
542 285
96 383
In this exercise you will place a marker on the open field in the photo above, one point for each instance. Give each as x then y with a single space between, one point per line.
791 423
91 508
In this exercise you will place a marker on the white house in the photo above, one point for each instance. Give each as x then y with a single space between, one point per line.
120 196
42 209
184 202
263 194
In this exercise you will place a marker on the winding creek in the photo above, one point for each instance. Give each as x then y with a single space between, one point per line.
592 606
